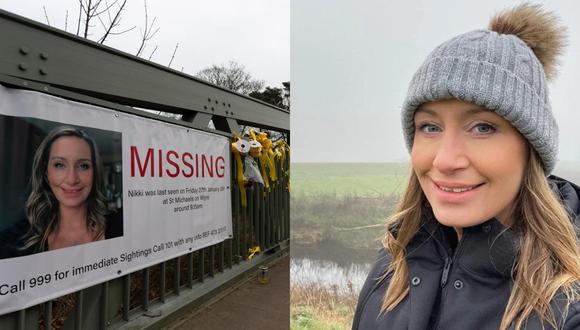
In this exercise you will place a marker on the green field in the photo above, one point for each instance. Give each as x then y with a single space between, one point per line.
344 204
348 179
347 202
371 179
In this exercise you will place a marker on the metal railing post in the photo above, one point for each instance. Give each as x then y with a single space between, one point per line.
79 310
126 296
145 302
104 304
177 273
162 282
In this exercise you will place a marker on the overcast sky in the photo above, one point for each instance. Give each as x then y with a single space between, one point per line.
351 63
255 33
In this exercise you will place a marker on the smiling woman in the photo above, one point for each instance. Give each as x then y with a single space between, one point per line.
66 206
482 237
70 177
469 162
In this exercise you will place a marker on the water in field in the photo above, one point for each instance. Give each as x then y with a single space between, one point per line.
332 265
343 280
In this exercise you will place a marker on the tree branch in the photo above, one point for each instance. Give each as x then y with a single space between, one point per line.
148 33
80 14
172 56
46 15
88 13
124 31
104 10
153 52
114 22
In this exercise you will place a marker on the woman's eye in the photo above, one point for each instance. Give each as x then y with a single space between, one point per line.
483 129
58 165
429 128
84 166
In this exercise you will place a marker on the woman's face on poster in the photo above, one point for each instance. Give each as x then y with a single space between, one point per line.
469 161
70 171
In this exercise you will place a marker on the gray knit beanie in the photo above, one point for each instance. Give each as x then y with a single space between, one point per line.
503 69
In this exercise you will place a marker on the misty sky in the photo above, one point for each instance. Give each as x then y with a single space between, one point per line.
351 62
255 33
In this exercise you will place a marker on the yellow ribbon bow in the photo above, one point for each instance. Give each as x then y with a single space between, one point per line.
268 154
252 251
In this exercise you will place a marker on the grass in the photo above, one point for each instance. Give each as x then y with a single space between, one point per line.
347 203
314 306
330 200
356 221
350 179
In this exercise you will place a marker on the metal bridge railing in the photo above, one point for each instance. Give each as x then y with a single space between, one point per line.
154 296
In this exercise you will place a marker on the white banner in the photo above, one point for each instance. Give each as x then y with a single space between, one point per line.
88 194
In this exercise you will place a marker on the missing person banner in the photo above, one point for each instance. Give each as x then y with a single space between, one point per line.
88 194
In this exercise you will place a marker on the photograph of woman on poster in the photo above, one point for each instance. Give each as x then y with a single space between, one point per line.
66 206
483 236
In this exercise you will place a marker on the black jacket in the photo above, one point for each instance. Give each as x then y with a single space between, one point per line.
457 285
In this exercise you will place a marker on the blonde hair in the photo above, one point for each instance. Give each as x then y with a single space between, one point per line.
548 261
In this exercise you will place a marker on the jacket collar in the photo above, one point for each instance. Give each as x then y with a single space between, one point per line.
488 249
569 194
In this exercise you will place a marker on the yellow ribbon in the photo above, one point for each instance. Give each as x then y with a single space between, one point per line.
252 251
288 171
267 154
280 151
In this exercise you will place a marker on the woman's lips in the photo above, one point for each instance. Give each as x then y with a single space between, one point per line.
454 192
72 192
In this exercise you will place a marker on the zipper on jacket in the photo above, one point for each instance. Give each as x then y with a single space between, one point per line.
445 274
445 277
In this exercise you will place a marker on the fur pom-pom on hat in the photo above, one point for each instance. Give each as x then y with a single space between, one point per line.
538 28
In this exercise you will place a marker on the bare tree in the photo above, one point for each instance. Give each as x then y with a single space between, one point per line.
233 77
109 14
91 10
148 32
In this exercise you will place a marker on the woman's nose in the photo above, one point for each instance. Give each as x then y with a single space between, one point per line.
72 176
450 153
